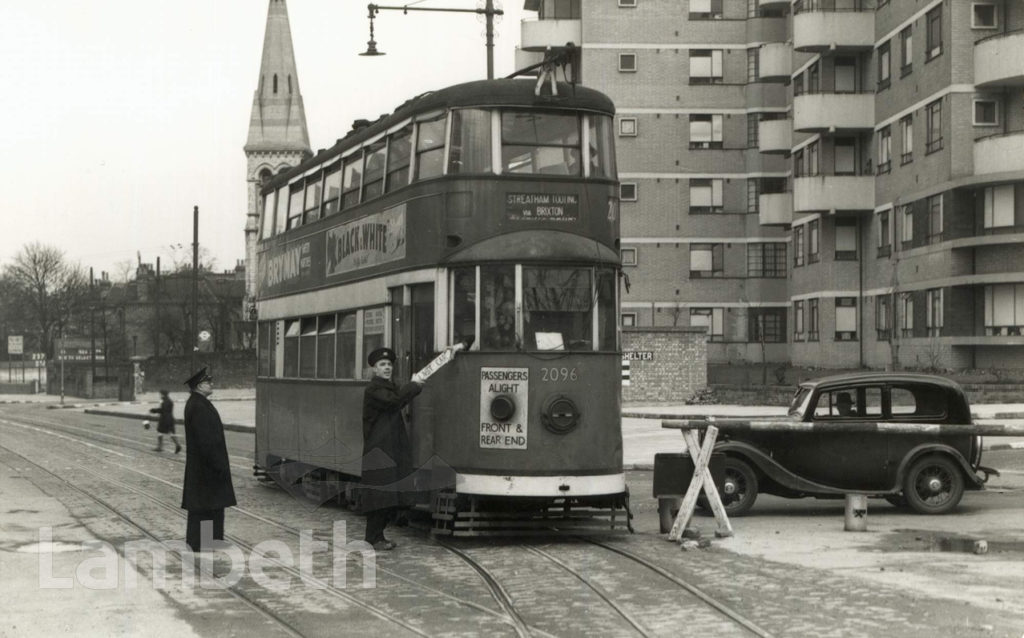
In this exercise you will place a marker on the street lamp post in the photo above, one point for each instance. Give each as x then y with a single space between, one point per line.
488 12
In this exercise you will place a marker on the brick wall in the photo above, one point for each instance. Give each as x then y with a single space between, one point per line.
677 368
236 369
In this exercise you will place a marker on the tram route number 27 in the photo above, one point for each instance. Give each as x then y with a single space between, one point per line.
559 374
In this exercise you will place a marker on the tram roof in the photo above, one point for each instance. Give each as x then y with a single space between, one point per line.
481 93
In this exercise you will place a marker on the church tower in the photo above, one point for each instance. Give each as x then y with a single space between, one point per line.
278 138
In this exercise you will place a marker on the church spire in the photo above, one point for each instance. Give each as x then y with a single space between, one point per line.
278 121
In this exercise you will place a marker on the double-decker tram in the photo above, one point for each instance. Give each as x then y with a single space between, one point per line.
486 212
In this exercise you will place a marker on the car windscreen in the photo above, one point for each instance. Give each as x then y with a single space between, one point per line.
798 404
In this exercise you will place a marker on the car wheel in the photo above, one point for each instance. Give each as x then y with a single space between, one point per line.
934 485
739 490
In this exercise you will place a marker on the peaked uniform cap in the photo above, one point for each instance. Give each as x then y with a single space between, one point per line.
381 353
197 378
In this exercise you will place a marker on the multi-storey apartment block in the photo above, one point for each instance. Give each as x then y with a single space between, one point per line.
826 183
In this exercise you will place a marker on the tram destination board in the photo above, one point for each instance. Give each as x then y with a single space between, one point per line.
562 207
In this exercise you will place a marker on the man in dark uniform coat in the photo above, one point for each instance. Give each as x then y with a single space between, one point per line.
387 455
208 489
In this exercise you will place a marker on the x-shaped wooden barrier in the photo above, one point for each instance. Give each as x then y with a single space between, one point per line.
702 481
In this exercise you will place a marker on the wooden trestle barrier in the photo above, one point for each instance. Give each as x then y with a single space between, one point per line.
701 454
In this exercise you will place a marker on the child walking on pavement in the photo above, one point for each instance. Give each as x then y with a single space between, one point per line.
166 423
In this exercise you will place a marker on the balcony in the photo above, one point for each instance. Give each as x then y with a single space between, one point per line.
538 35
999 153
833 112
775 209
997 60
833 193
775 62
773 4
775 136
840 31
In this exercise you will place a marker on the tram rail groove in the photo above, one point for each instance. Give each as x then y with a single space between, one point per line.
722 608
501 597
281 622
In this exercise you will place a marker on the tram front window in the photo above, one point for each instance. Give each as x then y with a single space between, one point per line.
557 308
546 143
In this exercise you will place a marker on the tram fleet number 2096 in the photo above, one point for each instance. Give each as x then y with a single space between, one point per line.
559 374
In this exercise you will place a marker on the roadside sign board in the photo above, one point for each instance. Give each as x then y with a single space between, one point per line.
15 344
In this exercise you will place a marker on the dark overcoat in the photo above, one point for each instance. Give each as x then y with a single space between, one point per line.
207 472
387 455
165 424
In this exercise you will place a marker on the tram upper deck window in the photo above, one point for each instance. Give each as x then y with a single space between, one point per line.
373 175
268 216
295 205
282 210
540 143
311 208
430 147
352 180
471 142
332 190
558 308
399 153
602 144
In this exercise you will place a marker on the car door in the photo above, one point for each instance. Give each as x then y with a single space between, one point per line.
915 403
835 455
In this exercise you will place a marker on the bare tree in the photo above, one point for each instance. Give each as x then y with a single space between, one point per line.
50 290
181 258
123 271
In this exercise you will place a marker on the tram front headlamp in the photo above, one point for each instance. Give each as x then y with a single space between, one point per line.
560 414
503 408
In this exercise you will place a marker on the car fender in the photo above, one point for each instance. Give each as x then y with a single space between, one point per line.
973 481
773 470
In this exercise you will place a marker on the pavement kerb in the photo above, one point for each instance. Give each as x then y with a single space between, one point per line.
233 427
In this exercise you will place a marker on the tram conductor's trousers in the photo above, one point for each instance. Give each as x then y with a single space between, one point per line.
214 520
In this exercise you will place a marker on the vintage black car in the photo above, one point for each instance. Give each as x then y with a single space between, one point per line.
926 471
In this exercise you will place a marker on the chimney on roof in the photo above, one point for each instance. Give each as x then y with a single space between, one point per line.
360 124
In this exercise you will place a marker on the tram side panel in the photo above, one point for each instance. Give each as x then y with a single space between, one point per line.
319 425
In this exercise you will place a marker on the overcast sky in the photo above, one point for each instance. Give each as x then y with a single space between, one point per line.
118 116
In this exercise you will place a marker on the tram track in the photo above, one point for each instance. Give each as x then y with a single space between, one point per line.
510 614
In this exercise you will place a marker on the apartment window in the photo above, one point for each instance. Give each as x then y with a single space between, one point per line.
706 260
907 231
628 319
798 321
706 66
934 140
706 9
885 150
766 259
884 234
559 10
845 156
629 256
798 163
933 22
906 51
710 318
705 196
984 16
798 84
934 219
814 78
884 66
753 129
627 126
767 325
628 4
812 241
883 317
934 319
813 168
906 139
1004 310
705 131
627 191
986 113
846 319
906 314
846 240
798 246
999 206
753 195
812 319
627 62
845 75
753 65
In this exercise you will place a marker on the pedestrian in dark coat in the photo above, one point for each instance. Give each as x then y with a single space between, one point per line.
165 424
387 455
207 487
